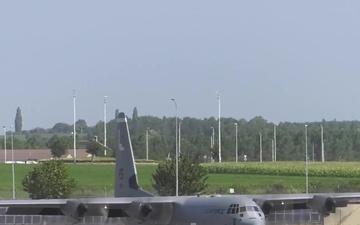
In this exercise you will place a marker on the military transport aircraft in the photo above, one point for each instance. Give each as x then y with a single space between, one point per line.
135 205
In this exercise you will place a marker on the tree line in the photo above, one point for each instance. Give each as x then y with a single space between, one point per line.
341 138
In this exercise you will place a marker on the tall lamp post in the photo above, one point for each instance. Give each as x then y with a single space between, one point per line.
5 142
219 129
105 123
212 137
179 138
74 132
322 144
260 146
12 163
212 142
236 142
272 149
275 143
306 162
176 149
147 143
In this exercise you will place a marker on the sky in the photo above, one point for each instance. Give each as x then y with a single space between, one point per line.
295 61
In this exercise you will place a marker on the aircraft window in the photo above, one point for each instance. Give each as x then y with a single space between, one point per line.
232 209
249 208
256 209
237 210
242 209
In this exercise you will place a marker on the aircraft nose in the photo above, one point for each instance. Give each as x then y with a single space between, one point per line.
253 222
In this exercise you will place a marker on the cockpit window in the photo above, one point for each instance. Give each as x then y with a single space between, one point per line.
233 208
249 208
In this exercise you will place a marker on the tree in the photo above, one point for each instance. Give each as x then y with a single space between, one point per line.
50 179
116 113
81 126
95 149
61 128
18 120
193 177
135 115
34 141
57 145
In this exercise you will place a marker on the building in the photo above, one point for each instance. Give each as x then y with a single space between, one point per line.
34 155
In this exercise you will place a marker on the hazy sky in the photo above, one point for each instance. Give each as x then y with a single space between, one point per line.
284 60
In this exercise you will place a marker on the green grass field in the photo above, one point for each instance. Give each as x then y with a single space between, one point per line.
98 180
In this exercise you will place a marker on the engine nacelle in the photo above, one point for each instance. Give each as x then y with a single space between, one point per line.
75 209
322 204
265 206
139 210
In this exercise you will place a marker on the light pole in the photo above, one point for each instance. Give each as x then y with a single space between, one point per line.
260 144
5 142
272 149
147 143
74 132
105 123
275 143
179 138
219 129
236 142
322 144
213 137
212 142
176 149
12 163
306 161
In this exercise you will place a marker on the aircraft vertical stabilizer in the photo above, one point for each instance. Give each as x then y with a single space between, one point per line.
126 181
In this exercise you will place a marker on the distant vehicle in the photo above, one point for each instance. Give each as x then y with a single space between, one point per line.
31 162
135 205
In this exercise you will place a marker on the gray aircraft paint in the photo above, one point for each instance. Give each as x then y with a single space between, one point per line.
126 182
206 210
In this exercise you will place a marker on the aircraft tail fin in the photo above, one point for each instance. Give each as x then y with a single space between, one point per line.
126 181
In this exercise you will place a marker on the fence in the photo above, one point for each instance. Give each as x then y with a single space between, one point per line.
294 217
278 218
43 220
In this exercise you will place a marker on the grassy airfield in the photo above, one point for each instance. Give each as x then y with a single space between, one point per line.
267 177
